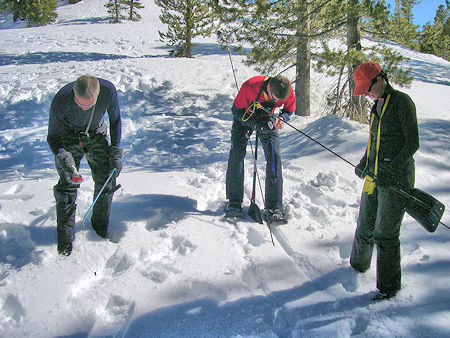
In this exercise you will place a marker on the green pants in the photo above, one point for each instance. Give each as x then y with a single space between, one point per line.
379 221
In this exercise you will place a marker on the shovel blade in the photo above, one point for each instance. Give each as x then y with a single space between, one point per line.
255 213
428 213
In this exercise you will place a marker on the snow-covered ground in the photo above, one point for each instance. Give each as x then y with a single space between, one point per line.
171 265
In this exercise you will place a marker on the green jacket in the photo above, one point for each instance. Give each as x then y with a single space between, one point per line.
399 135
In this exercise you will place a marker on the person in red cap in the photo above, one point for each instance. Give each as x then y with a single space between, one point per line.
388 160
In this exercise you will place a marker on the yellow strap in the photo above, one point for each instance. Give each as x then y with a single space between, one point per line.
254 106
369 184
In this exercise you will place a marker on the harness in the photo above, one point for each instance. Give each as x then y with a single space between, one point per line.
369 184
270 146
255 105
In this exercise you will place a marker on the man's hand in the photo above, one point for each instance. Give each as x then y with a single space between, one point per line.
279 123
115 155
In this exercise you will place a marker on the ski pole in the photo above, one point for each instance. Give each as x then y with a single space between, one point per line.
395 189
109 178
256 174
235 81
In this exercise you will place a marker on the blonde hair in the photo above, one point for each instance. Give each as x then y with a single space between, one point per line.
87 87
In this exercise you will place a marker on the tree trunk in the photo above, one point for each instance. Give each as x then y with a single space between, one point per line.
131 10
353 42
303 69
189 23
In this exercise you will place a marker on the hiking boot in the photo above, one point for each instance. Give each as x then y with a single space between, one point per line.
65 249
234 209
276 216
382 295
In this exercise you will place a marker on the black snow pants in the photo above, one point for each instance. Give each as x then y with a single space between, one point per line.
380 217
270 141
95 147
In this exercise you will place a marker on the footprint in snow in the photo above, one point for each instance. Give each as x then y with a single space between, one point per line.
12 309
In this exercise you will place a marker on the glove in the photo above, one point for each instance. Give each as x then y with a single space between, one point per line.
66 168
115 155
360 170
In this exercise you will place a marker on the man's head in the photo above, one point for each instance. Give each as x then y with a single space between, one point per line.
368 77
86 90
280 87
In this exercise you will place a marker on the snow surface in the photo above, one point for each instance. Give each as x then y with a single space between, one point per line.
172 266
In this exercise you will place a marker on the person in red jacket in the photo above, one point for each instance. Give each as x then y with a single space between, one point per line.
253 109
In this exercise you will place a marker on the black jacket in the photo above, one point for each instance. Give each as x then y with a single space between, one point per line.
65 115
399 135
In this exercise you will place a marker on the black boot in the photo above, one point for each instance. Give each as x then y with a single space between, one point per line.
65 249
99 227
382 295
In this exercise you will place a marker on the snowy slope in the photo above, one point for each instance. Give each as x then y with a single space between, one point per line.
172 266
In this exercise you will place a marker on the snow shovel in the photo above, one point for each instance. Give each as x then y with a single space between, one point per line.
423 207
254 212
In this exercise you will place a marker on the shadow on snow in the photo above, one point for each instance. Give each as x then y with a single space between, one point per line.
283 313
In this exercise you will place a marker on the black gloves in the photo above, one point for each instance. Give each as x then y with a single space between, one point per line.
66 168
115 155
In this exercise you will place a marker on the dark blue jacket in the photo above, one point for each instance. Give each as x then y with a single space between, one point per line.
66 116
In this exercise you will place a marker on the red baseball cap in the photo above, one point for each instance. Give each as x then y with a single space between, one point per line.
363 76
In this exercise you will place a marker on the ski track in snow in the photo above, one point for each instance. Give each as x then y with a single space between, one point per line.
171 265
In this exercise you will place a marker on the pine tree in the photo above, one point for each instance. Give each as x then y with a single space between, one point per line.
186 19
367 19
280 34
35 12
435 38
133 7
115 8
401 27
286 35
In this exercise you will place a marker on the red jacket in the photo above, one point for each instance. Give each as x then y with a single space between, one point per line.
250 89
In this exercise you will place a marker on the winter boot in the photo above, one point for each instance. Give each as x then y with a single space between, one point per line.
276 216
65 249
382 295
99 226
234 209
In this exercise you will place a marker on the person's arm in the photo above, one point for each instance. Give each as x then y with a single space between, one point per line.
55 126
115 123
288 107
406 113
